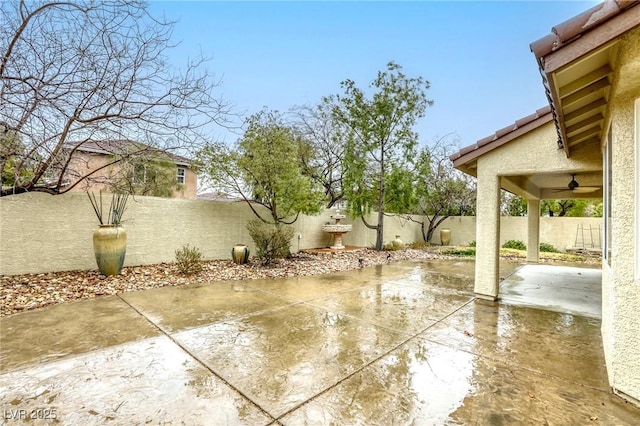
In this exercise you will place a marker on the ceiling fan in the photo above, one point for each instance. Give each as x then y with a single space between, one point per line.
575 187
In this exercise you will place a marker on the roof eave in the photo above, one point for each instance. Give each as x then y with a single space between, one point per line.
575 38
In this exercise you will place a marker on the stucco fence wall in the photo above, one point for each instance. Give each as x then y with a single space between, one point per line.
42 233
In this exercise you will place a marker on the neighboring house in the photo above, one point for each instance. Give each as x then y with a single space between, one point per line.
218 196
130 166
590 134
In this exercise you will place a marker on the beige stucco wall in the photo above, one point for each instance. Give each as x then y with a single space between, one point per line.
536 151
40 232
190 188
621 291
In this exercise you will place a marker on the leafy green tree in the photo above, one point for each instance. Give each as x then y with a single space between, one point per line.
145 176
265 168
380 141
512 205
12 153
569 208
594 208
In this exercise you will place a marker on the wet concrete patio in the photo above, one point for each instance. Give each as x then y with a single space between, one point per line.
404 343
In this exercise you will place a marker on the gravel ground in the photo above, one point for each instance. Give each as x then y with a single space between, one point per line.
26 292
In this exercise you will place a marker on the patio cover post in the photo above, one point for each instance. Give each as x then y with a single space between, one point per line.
533 231
487 234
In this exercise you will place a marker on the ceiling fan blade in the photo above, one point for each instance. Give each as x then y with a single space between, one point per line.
585 189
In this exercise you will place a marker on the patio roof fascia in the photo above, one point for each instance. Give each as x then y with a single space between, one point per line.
574 39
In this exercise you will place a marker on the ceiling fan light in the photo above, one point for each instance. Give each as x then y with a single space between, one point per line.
573 184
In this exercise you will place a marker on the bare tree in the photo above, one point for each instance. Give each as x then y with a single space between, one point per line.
440 190
323 161
76 72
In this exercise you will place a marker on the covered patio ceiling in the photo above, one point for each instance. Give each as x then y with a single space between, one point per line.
549 186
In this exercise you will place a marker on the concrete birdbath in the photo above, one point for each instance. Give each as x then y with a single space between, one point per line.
337 230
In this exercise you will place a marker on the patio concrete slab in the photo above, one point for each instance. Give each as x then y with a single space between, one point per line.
282 358
423 383
302 289
150 381
59 331
550 343
403 307
397 344
558 288
192 305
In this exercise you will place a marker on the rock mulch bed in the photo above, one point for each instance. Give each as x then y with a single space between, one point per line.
26 292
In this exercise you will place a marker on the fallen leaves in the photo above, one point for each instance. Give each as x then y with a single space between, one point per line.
32 291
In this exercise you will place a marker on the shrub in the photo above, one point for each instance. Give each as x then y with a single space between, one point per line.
189 260
391 247
419 245
472 243
548 248
272 241
460 251
515 244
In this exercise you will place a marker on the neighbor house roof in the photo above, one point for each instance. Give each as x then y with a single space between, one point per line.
120 147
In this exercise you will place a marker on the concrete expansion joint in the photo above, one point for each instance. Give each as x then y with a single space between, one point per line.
374 360
196 358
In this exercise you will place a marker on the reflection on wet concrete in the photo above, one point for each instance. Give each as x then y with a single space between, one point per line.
192 305
283 358
424 383
405 308
146 382
405 343
72 328
552 343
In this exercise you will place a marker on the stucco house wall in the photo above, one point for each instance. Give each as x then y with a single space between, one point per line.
528 154
621 286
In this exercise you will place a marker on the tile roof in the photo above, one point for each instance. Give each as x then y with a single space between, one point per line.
575 27
582 26
124 146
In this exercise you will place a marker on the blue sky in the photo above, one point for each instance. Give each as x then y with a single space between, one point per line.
281 54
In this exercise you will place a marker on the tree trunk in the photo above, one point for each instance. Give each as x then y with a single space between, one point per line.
429 234
380 231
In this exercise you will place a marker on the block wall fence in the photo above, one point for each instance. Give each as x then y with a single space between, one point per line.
44 233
